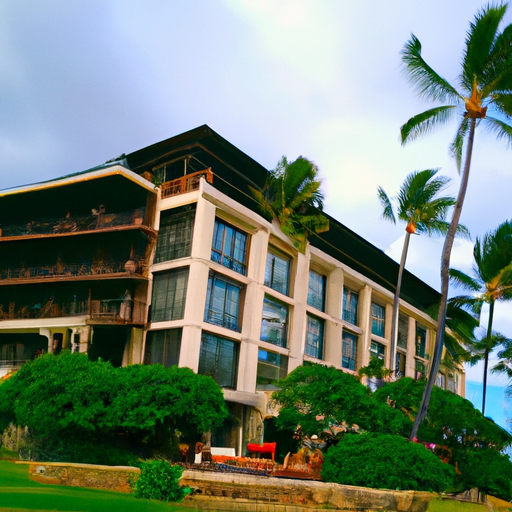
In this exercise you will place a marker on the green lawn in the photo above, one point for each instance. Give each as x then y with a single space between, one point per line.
18 494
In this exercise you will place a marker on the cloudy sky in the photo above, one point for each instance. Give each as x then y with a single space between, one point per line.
83 81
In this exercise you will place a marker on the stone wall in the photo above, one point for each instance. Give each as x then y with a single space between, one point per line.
113 478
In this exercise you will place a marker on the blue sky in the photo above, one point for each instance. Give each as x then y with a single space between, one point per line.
83 81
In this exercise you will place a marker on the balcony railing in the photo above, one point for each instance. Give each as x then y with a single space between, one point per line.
59 270
98 220
186 183
99 311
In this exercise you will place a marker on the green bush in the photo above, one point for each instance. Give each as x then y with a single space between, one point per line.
383 461
159 480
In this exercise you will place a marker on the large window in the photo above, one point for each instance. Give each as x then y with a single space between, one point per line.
223 302
316 290
175 235
163 347
229 247
271 367
349 351
399 365
314 337
421 341
218 358
378 318
277 272
169 292
275 321
403 330
377 350
350 300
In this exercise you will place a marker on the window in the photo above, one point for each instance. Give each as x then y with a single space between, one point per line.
163 347
453 383
274 322
377 350
399 365
169 293
218 358
378 317
350 299
441 380
271 367
314 337
403 330
421 341
349 351
277 272
223 302
420 371
316 290
229 247
175 235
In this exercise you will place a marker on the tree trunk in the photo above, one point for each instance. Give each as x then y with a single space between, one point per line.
396 302
445 267
487 351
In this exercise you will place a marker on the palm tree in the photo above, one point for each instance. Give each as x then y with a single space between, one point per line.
491 281
418 205
485 83
292 195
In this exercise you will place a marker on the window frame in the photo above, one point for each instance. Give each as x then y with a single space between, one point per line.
280 366
352 358
377 350
224 347
225 246
314 340
317 285
275 256
164 313
167 246
352 312
280 341
378 322
170 348
225 317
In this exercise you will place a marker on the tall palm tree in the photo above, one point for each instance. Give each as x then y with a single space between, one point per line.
491 281
485 83
418 205
292 195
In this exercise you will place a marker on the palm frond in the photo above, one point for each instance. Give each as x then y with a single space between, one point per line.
387 207
479 42
503 101
428 83
457 145
464 280
500 129
425 122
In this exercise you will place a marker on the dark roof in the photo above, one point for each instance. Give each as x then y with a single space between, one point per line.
234 171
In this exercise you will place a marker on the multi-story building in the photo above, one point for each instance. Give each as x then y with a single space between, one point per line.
163 257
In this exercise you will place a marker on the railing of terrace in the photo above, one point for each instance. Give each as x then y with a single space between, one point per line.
186 183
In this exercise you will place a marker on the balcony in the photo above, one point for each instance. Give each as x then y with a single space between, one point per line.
97 221
105 311
186 183
136 268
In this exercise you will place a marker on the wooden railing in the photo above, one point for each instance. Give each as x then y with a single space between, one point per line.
98 220
186 183
99 311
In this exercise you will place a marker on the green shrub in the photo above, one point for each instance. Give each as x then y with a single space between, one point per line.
383 461
159 480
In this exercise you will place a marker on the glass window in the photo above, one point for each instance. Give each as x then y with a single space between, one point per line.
421 340
377 350
218 358
175 235
163 347
403 330
275 322
229 247
169 293
277 272
223 302
314 337
378 318
399 365
316 290
420 370
441 380
350 300
453 383
349 350
271 367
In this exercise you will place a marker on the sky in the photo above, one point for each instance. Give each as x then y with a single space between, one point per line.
83 81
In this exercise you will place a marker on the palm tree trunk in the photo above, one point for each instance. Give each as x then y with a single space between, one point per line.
487 351
445 267
396 302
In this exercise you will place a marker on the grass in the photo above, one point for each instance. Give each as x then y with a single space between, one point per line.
20 494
